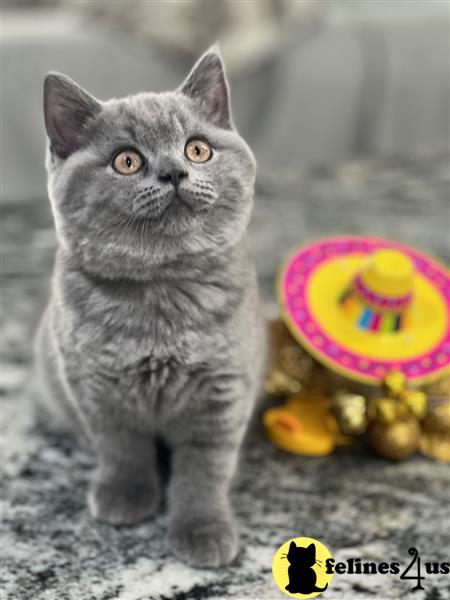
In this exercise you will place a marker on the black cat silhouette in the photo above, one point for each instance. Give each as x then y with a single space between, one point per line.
302 577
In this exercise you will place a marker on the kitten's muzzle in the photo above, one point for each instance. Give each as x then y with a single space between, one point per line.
173 175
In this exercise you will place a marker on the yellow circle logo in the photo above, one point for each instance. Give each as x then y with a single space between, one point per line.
299 568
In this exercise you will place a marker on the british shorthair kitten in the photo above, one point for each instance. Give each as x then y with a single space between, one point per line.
153 328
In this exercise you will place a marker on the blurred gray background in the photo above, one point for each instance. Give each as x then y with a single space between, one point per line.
312 81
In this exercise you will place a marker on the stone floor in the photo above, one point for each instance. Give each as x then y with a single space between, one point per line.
355 503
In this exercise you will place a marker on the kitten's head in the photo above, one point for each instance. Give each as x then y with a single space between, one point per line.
143 180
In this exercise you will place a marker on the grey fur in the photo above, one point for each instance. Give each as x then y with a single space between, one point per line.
153 325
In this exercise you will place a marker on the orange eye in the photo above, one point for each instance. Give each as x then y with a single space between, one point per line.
198 151
128 162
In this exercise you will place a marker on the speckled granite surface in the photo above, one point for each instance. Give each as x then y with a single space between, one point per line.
356 504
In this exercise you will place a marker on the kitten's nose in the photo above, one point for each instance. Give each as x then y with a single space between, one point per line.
173 174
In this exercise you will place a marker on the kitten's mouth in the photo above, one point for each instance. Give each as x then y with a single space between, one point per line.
170 215
173 213
175 203
181 198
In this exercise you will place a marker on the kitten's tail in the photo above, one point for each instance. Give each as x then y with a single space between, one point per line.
317 589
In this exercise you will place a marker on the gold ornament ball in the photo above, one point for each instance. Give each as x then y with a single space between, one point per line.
395 383
435 445
350 413
397 440
386 410
278 383
417 403
292 369
438 418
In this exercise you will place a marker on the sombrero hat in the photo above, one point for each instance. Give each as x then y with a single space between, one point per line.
367 306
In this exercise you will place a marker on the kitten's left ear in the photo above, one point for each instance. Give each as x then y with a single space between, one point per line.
207 85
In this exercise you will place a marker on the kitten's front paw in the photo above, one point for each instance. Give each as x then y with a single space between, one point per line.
119 503
203 541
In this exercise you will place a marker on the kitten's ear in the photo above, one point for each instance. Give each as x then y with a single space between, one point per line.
67 112
293 546
312 549
207 85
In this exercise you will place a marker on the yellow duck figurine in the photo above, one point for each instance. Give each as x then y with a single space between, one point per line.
304 425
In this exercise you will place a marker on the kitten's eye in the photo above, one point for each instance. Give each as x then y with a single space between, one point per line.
198 151
128 162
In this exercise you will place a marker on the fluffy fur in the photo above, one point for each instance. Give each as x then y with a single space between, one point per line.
152 328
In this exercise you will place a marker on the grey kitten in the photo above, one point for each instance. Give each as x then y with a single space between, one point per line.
152 328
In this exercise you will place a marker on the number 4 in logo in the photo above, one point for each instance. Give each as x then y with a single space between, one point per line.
415 554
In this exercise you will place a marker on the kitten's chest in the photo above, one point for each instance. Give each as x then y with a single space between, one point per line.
153 332
154 356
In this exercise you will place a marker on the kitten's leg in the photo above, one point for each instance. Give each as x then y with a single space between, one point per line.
53 411
125 486
201 526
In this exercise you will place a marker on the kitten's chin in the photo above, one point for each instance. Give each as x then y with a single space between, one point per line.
114 261
177 219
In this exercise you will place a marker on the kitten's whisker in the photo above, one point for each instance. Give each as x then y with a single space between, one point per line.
141 235
146 225
128 227
122 225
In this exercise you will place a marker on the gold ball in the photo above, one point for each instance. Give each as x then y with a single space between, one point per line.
435 445
395 382
438 417
295 361
350 413
276 383
386 410
417 403
291 369
397 440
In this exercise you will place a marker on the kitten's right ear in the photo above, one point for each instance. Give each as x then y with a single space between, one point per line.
293 546
67 112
